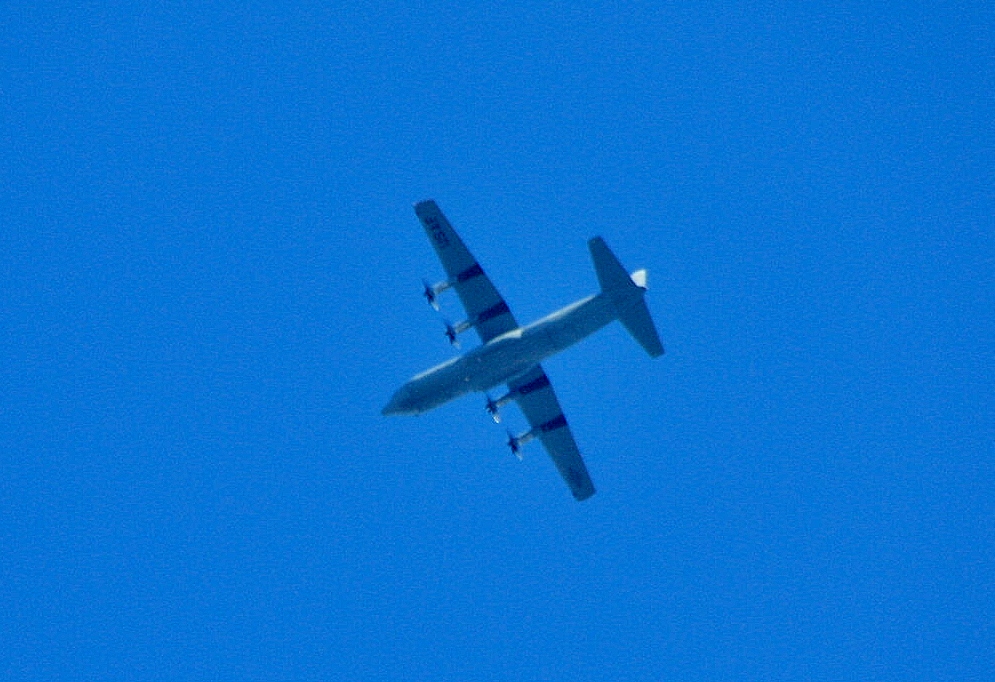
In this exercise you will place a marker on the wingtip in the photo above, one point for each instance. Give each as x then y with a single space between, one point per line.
584 495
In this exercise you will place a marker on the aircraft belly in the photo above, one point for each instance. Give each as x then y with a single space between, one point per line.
497 364
435 388
564 328
507 357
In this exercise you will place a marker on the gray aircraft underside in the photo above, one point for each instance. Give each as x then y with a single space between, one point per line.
512 354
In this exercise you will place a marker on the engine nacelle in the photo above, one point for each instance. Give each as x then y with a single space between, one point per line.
493 406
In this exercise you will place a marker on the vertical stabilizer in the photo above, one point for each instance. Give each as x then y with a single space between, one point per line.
627 294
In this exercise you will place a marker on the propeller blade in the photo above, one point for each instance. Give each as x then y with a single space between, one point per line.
516 448
452 335
492 409
430 295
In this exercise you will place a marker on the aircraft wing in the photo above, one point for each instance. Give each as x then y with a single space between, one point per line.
484 305
534 395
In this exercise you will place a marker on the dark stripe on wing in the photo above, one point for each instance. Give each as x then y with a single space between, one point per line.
492 312
473 271
534 385
553 424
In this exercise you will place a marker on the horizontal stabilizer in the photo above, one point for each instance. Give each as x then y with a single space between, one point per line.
639 323
626 292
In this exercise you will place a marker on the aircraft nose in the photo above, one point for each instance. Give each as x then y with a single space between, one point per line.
396 404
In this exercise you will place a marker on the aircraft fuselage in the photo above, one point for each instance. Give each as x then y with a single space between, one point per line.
506 356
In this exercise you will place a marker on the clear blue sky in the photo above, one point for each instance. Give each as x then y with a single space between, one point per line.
209 287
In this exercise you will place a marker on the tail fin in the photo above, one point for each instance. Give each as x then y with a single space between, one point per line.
627 293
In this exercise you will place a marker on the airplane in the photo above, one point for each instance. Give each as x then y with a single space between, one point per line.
511 354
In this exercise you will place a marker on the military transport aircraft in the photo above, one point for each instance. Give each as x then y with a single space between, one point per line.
511 354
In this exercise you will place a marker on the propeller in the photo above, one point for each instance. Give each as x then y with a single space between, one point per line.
430 294
451 334
492 409
515 444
